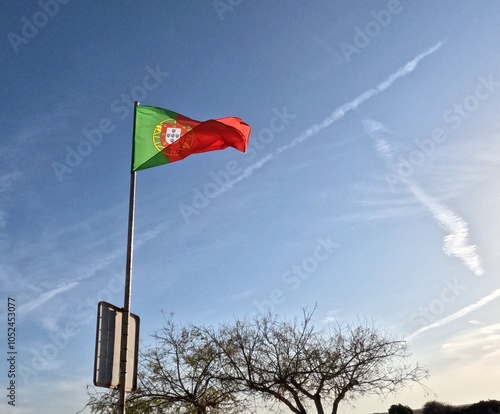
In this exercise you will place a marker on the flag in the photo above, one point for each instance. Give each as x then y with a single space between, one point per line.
162 136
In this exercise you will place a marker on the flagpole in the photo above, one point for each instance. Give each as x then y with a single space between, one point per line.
127 294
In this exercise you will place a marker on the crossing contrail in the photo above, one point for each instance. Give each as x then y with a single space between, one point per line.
456 242
336 115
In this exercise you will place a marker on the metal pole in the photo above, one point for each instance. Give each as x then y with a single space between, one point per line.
122 401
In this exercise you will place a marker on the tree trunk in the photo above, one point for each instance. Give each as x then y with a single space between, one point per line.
339 398
318 404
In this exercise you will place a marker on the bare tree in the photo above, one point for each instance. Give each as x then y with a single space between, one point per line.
311 370
176 375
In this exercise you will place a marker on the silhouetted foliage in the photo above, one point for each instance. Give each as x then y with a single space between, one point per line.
400 409
483 407
435 407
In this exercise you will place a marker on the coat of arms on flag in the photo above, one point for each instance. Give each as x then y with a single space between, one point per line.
169 131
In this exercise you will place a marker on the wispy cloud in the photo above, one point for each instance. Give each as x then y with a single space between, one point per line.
338 114
478 342
458 314
456 242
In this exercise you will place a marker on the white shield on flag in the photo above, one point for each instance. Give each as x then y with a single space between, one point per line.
172 135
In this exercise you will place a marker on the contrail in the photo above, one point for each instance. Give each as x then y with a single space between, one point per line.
44 297
456 243
338 114
458 314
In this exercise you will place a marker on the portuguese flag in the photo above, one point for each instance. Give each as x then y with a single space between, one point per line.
162 136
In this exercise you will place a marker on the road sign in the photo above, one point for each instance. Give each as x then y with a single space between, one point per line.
107 348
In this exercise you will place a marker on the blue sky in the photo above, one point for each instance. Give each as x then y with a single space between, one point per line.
369 188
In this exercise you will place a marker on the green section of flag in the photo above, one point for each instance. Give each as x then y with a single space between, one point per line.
145 154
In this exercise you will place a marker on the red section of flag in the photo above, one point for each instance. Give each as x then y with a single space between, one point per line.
211 135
